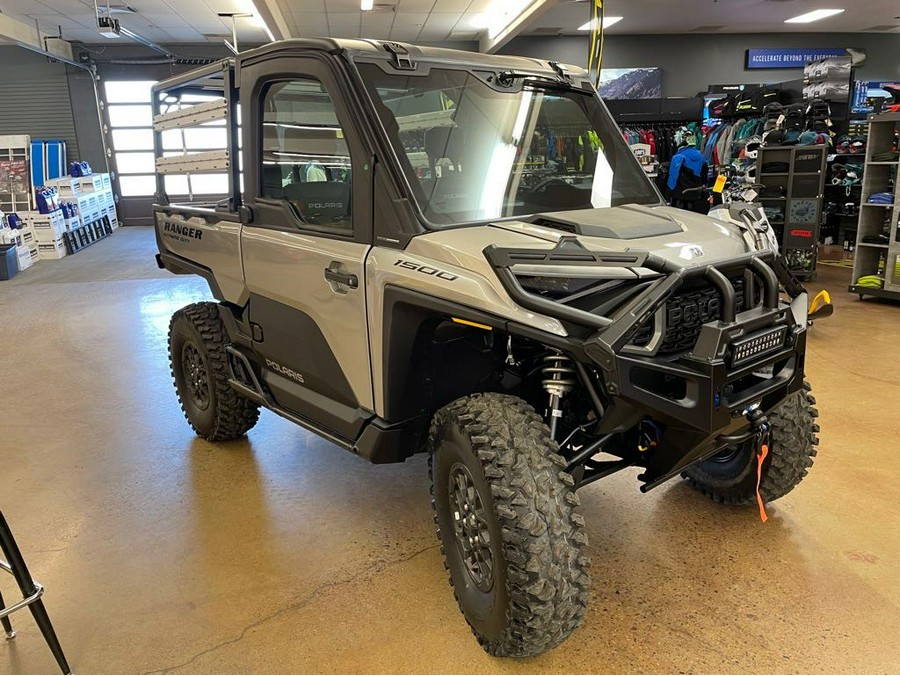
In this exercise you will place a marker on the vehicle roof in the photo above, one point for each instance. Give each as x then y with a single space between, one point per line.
366 47
370 48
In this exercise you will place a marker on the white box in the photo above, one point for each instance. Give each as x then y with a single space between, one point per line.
92 183
114 221
34 253
52 250
73 223
47 227
105 198
48 233
88 208
67 186
107 182
25 237
25 261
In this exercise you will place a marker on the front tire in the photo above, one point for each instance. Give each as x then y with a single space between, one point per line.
505 511
197 340
730 476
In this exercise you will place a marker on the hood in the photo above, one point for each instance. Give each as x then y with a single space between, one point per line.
685 238
680 236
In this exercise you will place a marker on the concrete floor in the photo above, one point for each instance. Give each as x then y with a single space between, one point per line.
163 553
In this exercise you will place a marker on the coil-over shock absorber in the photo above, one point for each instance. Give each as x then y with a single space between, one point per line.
558 378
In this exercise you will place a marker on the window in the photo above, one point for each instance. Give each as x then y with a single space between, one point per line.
131 122
474 151
305 158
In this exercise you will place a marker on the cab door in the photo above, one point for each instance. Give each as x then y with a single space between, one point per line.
308 187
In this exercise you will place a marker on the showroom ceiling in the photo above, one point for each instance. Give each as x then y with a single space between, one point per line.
723 16
171 21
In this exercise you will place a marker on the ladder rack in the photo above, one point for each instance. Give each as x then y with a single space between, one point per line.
188 163
191 115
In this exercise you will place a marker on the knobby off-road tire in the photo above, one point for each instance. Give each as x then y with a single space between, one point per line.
497 477
730 477
197 340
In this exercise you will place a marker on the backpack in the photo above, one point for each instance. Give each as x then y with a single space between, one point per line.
794 117
818 113
772 113
721 108
754 101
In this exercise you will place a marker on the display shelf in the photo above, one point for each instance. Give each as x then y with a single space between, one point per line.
875 293
804 192
879 219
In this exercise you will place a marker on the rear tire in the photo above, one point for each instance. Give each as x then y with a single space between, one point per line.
197 340
730 476
505 511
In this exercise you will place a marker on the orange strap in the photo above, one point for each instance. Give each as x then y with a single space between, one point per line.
761 456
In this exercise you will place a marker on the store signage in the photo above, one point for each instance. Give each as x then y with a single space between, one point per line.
788 58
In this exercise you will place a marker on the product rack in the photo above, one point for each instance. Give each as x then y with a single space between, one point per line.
801 205
15 173
840 222
879 258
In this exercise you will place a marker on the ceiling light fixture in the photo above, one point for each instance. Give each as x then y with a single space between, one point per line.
607 22
366 5
815 15
498 16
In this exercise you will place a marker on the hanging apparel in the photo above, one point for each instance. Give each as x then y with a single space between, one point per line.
689 159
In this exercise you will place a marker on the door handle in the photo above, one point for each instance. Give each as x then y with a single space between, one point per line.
337 277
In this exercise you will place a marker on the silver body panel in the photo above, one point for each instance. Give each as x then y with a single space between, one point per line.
289 268
212 243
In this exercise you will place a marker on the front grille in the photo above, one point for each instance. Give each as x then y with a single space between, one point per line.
686 313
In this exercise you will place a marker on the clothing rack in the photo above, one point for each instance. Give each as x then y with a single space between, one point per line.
664 138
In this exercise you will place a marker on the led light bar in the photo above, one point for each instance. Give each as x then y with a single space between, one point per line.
748 349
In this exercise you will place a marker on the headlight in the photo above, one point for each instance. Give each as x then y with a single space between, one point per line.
556 287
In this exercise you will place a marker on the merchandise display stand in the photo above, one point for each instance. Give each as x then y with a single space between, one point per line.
31 596
15 173
799 173
879 223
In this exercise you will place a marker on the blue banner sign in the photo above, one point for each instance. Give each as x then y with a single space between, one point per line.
788 58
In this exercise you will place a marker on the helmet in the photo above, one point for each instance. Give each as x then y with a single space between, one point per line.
751 150
775 137
791 137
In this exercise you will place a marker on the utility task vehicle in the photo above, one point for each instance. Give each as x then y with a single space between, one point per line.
425 250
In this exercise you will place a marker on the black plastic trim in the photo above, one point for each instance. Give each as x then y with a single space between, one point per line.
182 266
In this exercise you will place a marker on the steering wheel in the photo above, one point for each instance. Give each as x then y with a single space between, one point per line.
547 182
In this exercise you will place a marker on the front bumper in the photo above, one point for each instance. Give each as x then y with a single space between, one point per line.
743 358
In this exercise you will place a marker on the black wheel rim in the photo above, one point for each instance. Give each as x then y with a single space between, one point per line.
193 366
727 455
470 527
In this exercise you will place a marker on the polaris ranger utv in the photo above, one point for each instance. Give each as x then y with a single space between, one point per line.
425 250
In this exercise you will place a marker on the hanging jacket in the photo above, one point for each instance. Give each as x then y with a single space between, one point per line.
686 158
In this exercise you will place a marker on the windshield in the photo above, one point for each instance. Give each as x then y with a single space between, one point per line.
473 153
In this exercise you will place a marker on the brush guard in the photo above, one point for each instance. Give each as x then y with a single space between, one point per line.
754 358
